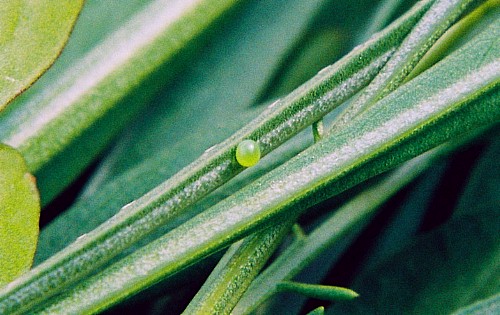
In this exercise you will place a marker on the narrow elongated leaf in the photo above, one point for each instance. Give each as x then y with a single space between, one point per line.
63 127
480 195
235 271
19 213
433 24
32 35
155 149
424 113
323 292
283 119
336 232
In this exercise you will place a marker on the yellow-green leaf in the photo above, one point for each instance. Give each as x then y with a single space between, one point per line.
19 214
32 35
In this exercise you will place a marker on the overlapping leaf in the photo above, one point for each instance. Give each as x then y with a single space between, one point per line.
32 35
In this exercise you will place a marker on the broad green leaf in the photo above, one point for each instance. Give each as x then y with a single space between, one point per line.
32 35
280 121
164 139
19 214
61 129
443 103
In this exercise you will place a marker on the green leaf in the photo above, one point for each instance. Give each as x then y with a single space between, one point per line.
317 311
164 139
440 17
458 34
19 214
32 35
237 268
282 120
335 233
443 103
320 50
322 292
64 126
482 196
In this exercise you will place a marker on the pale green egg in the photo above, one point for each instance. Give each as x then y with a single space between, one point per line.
248 153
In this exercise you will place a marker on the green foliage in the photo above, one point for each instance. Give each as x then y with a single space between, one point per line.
322 292
32 35
74 116
19 213
175 187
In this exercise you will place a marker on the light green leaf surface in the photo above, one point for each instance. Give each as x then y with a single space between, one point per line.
32 35
445 102
19 214
237 268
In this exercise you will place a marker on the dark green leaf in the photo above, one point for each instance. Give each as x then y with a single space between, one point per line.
438 274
